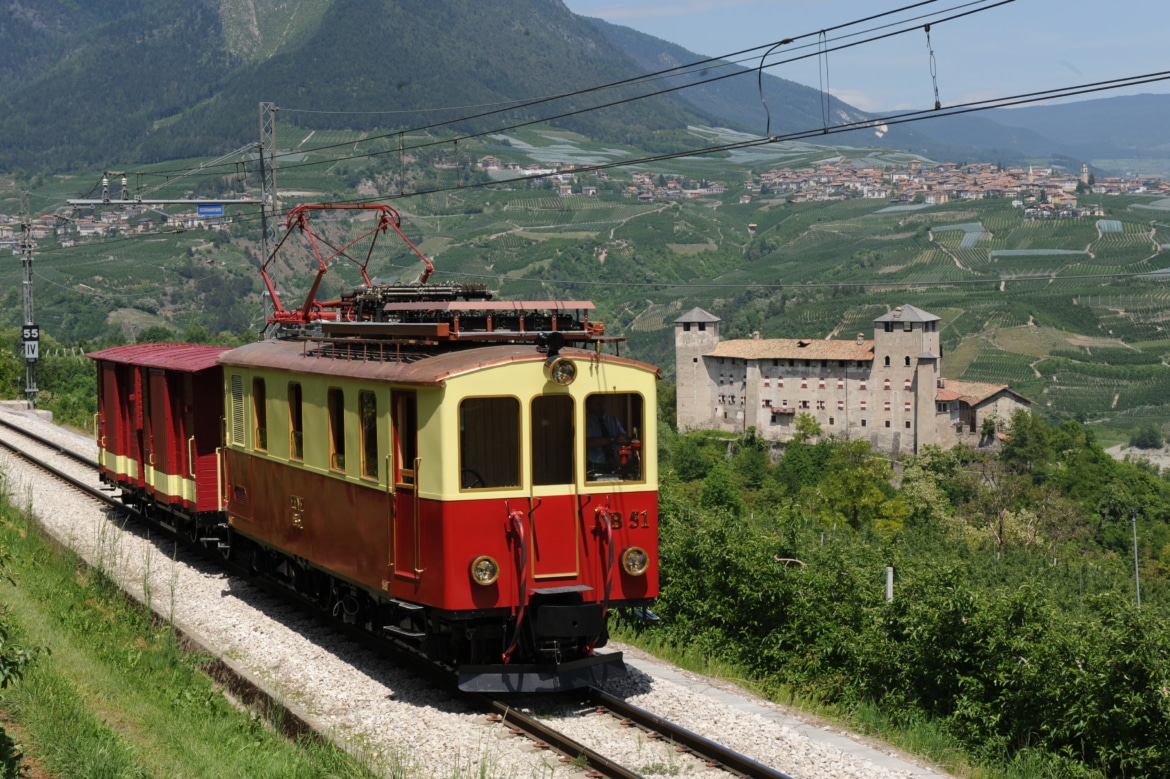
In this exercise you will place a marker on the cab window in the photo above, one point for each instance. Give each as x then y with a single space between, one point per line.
552 440
336 404
295 423
613 437
489 443
260 413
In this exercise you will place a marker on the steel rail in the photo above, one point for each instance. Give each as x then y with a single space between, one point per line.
546 737
50 444
715 754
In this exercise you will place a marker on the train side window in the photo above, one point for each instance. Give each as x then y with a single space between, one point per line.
260 413
552 439
489 443
405 436
613 445
368 414
336 404
296 424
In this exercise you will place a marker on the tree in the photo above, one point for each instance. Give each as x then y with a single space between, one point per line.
806 428
1147 437
719 491
155 334
857 491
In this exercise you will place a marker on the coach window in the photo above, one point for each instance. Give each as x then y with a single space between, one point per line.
552 439
295 423
260 414
489 443
613 437
368 414
405 437
336 404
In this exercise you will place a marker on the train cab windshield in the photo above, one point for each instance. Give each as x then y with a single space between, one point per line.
609 442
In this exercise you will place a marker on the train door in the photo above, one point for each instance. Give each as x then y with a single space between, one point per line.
142 427
160 429
554 518
407 558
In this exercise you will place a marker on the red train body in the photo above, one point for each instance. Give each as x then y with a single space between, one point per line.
447 480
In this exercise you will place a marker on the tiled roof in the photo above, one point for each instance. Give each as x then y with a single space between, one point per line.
697 315
908 313
793 349
972 392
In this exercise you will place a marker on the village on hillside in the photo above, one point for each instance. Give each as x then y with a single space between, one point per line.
1041 191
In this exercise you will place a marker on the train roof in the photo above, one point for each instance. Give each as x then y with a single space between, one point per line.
376 363
185 358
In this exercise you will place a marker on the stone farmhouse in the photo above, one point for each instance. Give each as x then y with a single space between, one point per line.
888 390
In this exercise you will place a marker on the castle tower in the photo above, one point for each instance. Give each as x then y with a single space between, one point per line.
696 333
907 358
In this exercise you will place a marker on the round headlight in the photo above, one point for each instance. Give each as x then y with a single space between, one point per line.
635 561
485 570
560 370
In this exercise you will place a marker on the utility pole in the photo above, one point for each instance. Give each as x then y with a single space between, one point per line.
30 333
269 206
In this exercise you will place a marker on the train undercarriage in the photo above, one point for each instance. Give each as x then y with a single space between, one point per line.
554 648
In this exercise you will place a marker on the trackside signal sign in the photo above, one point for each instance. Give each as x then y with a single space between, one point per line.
30 336
211 210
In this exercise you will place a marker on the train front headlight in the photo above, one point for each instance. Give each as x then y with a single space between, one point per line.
635 561
485 570
560 370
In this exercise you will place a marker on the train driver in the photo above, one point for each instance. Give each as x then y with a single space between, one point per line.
604 433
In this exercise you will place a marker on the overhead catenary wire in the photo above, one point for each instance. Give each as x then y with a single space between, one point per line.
705 64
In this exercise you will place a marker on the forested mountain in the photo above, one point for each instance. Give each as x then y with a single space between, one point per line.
133 81
153 80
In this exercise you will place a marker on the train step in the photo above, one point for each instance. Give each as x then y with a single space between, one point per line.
401 632
404 606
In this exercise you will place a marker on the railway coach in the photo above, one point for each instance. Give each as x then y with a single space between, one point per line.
473 479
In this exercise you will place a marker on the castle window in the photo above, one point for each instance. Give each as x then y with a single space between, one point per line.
820 405
840 405
694 359
887 423
889 327
832 421
906 384
886 384
862 382
804 382
886 406
863 423
907 424
840 383
780 382
942 408
906 407
824 363
702 326
804 404
775 363
821 383
907 361
686 327
887 361
840 363
767 404
863 406
907 327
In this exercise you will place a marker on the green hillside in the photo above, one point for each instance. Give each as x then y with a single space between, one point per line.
1057 308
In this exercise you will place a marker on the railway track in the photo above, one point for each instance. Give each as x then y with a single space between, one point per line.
540 733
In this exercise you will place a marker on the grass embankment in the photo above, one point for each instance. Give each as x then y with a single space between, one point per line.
115 695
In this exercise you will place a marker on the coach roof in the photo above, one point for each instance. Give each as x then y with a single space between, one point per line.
186 358
422 369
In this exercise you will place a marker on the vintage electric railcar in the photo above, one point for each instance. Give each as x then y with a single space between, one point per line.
426 468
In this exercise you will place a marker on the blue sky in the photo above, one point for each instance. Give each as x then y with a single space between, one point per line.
1024 46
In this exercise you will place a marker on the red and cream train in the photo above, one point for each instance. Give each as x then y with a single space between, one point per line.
419 462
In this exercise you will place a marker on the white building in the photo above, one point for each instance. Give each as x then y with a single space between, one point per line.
888 390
